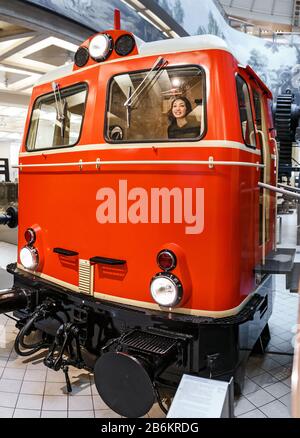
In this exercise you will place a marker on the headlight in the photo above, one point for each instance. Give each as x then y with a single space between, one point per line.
101 47
124 45
81 56
166 290
29 257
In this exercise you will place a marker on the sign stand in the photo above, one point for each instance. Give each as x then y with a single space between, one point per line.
197 397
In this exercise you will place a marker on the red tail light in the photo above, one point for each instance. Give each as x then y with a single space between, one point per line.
30 236
166 260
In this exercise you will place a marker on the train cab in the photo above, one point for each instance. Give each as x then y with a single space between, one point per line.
141 221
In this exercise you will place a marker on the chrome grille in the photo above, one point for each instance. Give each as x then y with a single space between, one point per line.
86 277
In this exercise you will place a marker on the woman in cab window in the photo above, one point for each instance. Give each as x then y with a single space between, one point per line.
181 126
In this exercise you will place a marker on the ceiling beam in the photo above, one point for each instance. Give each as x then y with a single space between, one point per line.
16 36
36 39
41 19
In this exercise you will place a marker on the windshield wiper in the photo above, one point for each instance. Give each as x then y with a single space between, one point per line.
159 64
60 107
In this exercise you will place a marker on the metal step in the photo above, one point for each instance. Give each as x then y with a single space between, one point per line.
280 261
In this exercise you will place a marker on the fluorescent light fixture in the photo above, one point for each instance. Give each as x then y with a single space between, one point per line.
149 20
128 4
138 4
158 20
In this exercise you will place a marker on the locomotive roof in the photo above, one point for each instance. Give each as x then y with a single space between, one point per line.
190 43
196 42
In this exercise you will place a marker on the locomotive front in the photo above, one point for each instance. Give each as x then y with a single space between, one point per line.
140 220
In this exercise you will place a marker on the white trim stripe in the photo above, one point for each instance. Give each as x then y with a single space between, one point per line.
143 304
210 163
117 147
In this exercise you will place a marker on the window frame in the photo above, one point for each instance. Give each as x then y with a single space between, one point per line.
171 140
254 147
78 84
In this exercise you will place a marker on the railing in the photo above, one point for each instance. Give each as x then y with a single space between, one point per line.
98 163
280 190
4 169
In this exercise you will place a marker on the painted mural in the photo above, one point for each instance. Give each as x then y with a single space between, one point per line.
98 15
278 64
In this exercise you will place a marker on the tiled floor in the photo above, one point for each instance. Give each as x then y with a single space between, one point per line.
28 389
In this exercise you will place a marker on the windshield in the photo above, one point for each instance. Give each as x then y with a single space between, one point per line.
169 105
56 124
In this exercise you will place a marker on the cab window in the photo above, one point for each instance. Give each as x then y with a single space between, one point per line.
160 105
57 118
245 112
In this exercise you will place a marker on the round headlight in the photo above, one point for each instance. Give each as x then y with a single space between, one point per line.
166 290
29 257
101 47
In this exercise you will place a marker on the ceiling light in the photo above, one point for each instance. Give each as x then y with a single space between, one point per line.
138 4
128 4
149 20
174 34
158 20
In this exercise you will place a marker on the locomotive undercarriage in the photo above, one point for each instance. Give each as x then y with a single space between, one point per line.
137 355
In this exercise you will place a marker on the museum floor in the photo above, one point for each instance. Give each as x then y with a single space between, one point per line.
28 389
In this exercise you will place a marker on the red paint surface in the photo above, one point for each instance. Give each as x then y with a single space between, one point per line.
216 266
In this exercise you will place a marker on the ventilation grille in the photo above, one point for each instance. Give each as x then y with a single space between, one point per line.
149 342
86 277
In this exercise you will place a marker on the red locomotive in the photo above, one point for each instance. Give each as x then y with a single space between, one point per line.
141 222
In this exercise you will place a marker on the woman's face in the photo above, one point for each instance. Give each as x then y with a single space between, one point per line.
179 109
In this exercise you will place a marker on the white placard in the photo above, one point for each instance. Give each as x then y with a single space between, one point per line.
197 397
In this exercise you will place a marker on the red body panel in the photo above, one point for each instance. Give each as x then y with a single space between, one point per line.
215 266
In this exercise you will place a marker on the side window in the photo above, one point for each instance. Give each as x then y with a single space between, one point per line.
257 108
157 105
57 118
245 112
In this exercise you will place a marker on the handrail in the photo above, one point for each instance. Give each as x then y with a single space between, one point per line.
276 182
295 189
279 190
210 162
265 151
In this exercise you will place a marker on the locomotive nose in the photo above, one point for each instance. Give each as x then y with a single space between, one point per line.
124 383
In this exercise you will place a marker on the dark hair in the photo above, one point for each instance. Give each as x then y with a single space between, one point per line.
188 106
